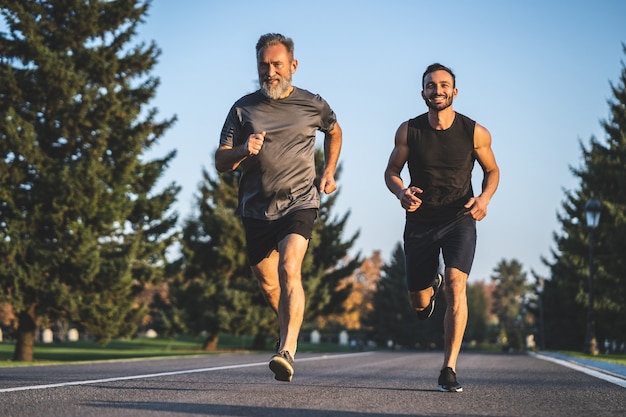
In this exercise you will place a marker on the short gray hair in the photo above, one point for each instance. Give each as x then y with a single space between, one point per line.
270 39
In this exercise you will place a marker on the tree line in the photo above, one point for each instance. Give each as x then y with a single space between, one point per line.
84 230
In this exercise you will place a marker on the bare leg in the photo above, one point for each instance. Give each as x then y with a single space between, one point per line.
292 301
420 299
455 320
280 279
266 273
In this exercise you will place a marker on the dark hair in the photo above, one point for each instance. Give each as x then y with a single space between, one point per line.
438 67
270 39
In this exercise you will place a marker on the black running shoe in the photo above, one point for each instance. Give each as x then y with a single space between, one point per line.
428 311
282 366
447 381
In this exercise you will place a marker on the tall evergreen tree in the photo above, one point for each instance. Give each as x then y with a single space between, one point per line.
216 288
602 176
82 228
327 262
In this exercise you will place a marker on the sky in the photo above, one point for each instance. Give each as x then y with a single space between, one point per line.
536 74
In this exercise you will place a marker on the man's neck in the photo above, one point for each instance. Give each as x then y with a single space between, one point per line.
441 120
287 93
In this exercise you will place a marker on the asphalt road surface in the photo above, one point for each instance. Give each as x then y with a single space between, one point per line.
368 384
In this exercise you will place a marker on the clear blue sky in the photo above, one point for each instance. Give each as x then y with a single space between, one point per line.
535 73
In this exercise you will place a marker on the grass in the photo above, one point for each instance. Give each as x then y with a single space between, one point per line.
619 359
84 350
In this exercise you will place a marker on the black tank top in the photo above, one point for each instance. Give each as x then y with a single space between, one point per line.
441 163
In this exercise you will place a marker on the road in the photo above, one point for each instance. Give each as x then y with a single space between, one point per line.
368 384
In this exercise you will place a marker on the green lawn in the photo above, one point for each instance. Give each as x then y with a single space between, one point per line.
88 351
613 358
84 350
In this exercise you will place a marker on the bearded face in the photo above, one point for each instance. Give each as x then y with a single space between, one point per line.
439 90
276 66
439 102
276 86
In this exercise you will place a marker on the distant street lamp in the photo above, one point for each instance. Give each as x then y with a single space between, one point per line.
542 333
592 212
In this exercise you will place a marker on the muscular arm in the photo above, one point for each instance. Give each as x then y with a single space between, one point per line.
332 148
228 158
491 173
398 158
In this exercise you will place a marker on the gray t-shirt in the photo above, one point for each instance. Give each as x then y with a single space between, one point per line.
279 180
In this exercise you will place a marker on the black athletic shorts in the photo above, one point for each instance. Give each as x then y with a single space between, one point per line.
262 236
455 240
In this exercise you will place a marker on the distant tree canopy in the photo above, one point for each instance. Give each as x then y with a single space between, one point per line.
478 307
359 302
565 297
508 301
82 227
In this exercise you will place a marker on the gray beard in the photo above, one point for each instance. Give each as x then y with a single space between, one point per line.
276 92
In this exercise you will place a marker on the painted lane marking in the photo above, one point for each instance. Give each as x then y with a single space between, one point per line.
609 377
160 374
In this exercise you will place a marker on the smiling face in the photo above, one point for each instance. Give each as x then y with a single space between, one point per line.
439 90
275 67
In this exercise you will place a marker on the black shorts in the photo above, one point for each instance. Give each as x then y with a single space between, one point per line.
262 236
455 240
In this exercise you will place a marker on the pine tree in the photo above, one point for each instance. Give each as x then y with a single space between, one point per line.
327 263
215 288
82 228
602 176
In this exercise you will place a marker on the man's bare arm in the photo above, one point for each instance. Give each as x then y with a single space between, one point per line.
409 197
491 173
228 158
332 149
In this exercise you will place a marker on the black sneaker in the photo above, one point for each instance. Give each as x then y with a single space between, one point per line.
282 366
447 381
428 311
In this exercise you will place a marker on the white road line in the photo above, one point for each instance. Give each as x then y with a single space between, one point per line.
585 369
187 371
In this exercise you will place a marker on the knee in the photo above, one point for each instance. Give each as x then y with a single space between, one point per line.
419 299
268 286
455 287
289 270
267 281
455 290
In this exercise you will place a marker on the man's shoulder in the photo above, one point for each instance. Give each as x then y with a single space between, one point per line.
418 121
248 99
302 94
464 117
306 99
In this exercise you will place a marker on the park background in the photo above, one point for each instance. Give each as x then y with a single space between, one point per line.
538 93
